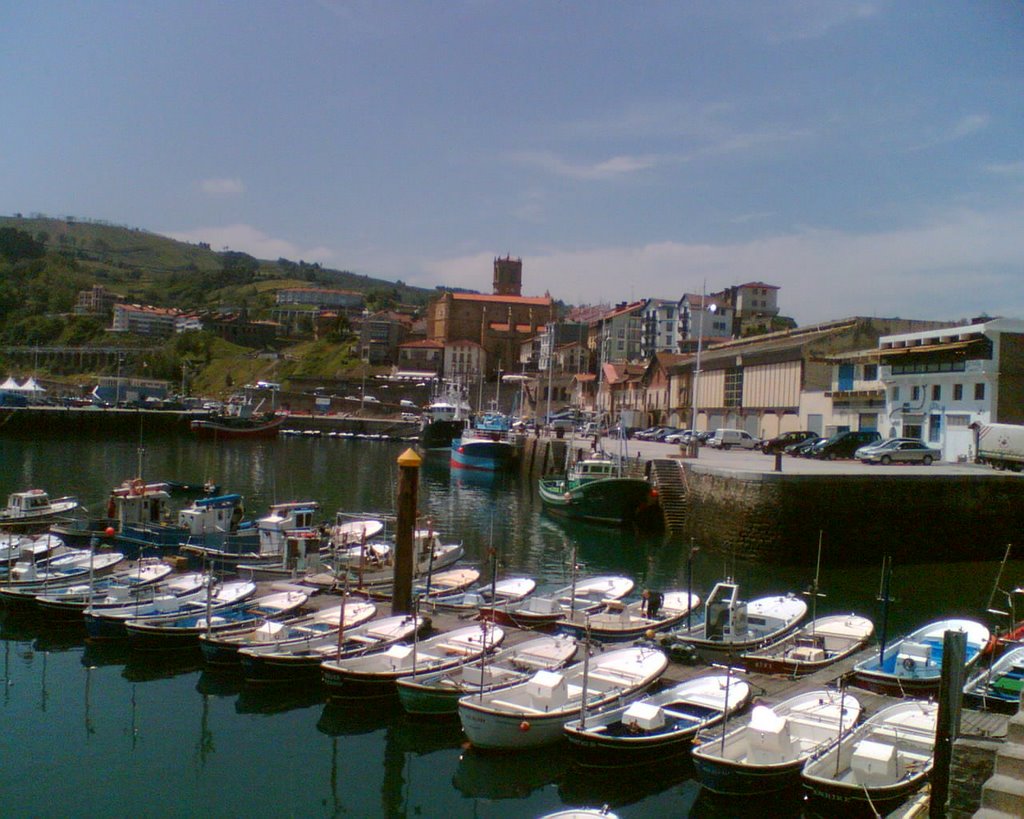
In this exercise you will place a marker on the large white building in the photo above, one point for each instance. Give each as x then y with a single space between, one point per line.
939 382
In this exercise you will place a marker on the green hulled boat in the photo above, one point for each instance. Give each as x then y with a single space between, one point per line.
595 490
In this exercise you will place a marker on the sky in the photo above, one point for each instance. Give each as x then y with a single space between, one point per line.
867 157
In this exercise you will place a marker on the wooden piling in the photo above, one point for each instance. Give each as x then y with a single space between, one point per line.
405 558
951 686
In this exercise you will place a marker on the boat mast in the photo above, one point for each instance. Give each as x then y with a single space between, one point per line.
572 588
814 591
586 674
883 596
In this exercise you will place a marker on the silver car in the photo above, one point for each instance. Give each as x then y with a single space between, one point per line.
899 450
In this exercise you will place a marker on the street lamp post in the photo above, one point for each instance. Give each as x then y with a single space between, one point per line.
117 388
696 376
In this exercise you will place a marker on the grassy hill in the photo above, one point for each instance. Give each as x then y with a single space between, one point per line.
150 268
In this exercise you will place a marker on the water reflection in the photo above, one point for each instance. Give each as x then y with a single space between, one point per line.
626 786
482 775
148 666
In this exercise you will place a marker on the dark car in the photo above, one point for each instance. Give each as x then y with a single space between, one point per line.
845 444
780 442
801 448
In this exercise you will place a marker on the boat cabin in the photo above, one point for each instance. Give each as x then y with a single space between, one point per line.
284 520
593 469
137 502
725 615
27 504
220 514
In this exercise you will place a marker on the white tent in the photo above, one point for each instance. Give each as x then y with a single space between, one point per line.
31 386
10 384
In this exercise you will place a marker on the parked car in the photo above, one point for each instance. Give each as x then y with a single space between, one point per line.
780 442
645 434
662 434
405 402
844 444
899 450
724 438
678 436
802 448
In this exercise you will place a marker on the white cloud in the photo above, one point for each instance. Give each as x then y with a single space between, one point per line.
222 186
810 19
255 242
959 265
1006 168
616 166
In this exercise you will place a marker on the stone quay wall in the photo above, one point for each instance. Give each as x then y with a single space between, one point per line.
778 517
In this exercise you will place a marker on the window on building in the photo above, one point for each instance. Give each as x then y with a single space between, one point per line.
895 394
934 428
915 394
734 387
979 392
936 392
870 372
958 392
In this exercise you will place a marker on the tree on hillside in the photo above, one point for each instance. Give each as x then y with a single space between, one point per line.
16 245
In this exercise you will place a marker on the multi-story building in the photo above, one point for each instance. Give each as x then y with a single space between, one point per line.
556 336
774 383
425 356
703 318
96 301
144 320
660 332
617 335
380 335
938 382
321 297
464 361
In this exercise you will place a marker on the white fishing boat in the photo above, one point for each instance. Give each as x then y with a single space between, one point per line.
657 726
110 623
72 601
184 630
376 674
300 661
33 508
501 593
223 648
375 569
766 753
821 642
538 611
879 764
439 692
616 620
533 713
913 664
27 580
732 625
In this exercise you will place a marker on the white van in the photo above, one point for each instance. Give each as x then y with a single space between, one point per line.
729 438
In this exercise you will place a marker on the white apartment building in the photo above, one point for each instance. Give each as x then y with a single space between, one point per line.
939 382
143 320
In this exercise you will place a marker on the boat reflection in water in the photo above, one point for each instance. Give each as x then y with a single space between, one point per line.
482 775
625 786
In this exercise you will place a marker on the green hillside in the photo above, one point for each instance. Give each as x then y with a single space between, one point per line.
154 269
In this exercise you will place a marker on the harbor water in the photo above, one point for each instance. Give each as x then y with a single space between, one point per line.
90 732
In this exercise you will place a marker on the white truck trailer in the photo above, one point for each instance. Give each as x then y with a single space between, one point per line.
1001 445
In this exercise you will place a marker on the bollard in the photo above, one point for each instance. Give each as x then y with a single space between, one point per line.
405 546
778 461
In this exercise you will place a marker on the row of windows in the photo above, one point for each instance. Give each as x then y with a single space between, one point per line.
937 367
916 393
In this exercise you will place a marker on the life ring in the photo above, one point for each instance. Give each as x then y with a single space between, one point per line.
138 486
908 663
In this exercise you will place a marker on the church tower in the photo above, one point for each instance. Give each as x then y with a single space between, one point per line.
508 276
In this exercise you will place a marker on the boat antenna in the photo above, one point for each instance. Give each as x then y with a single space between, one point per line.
885 599
995 585
572 592
586 673
689 582
494 564
341 614
814 591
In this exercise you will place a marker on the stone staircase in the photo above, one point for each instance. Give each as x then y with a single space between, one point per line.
1002 795
667 478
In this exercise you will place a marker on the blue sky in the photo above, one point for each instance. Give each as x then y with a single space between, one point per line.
867 157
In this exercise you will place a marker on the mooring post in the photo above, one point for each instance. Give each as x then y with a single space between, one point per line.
778 461
405 558
951 686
